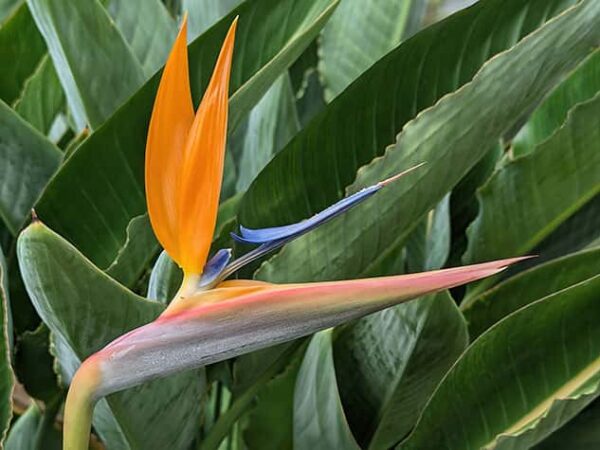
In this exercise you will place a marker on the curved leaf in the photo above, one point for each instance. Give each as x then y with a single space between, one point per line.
85 309
269 426
451 136
319 422
42 98
203 14
581 433
580 86
100 187
359 33
27 161
522 379
165 279
96 67
493 305
21 48
271 125
531 196
389 364
31 430
148 29
138 251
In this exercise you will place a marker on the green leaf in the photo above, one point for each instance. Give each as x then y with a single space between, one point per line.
6 374
137 253
581 433
582 85
42 97
488 308
27 161
269 426
531 196
360 33
247 369
21 48
313 170
85 309
319 421
107 169
203 14
165 279
148 28
389 364
522 379
271 125
33 429
96 67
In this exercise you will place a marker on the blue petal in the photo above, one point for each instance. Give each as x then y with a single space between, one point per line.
214 267
275 237
287 232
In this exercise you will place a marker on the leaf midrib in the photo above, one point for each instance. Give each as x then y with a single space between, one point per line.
565 392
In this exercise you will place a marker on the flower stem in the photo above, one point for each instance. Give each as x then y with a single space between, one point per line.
80 406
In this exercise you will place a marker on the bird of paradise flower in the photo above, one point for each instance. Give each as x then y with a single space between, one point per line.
211 319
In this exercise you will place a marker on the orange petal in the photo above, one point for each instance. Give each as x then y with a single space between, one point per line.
202 171
172 118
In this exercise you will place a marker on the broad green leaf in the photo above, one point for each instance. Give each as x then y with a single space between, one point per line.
203 14
27 161
581 433
580 86
100 188
389 364
148 28
360 33
451 137
269 425
319 421
493 305
531 196
42 97
6 374
137 253
32 430
85 309
96 67
165 279
271 125
21 48
522 379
